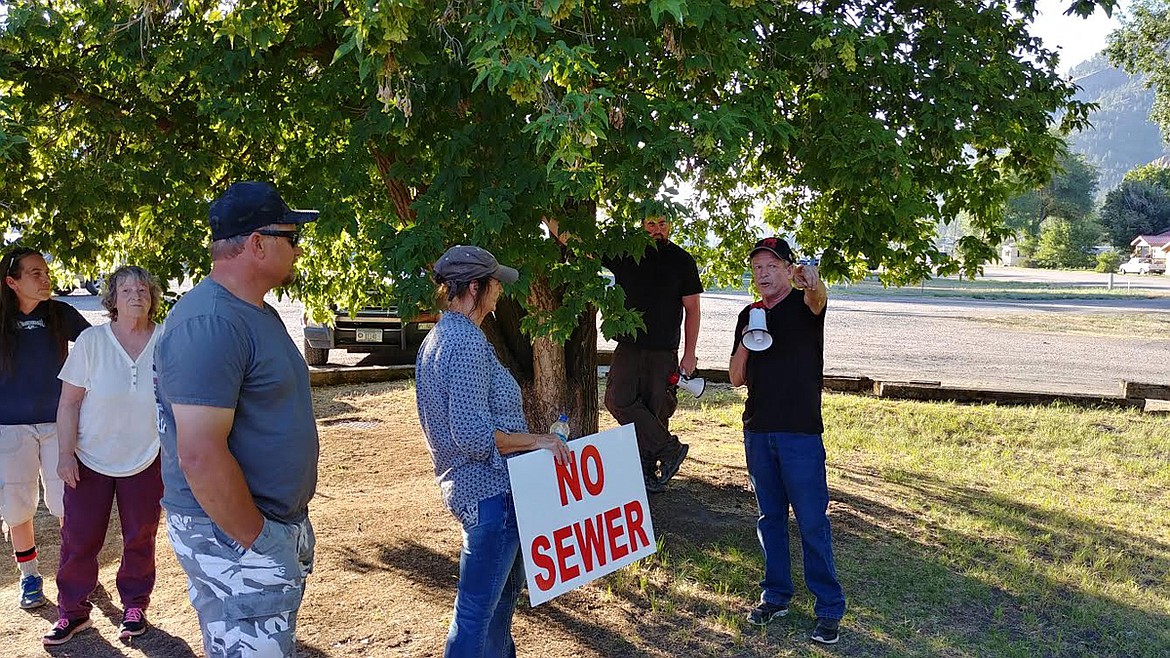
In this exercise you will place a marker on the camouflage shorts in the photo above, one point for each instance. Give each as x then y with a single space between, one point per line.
247 600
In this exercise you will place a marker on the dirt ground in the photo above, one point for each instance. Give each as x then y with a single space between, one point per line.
387 560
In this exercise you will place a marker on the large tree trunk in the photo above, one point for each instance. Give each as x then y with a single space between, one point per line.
554 378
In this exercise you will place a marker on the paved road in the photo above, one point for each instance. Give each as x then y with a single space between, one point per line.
932 339
948 340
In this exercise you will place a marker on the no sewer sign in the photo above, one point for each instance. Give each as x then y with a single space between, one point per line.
581 520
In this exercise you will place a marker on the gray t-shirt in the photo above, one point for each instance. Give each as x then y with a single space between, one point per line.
220 351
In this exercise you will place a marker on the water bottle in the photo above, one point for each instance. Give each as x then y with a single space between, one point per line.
561 428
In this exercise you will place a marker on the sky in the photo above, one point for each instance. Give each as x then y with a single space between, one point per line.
1077 39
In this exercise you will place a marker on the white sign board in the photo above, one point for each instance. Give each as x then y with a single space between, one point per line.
581 520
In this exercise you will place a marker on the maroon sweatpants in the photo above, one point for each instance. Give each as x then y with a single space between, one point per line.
87 515
637 391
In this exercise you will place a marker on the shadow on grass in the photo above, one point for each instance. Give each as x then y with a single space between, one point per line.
930 569
937 590
914 589
438 572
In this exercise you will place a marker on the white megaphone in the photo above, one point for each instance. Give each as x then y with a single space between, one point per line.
756 338
692 385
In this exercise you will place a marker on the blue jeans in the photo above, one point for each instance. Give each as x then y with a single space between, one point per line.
491 574
789 469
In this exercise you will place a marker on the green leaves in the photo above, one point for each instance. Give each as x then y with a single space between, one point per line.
675 8
416 124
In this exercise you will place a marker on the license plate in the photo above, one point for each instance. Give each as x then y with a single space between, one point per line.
369 335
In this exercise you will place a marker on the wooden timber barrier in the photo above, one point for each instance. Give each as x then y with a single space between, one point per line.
338 375
1132 394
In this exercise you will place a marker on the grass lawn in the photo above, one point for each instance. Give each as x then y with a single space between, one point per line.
987 289
960 531
992 289
1145 326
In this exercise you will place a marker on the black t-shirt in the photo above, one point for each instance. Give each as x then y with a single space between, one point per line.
655 285
784 381
31 390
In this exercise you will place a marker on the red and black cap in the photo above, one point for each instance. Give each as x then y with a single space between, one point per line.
778 246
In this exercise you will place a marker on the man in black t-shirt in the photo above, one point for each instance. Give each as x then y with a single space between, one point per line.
782 431
662 284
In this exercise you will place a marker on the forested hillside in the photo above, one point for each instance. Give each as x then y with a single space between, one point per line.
1122 136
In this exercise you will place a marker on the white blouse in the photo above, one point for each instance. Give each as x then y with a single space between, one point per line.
117 435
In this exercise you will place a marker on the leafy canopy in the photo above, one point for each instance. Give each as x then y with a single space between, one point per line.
1154 173
1069 194
1135 208
1065 243
415 124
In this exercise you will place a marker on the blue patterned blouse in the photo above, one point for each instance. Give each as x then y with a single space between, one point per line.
464 395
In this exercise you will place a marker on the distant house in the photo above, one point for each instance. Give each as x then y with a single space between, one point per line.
1154 247
1009 253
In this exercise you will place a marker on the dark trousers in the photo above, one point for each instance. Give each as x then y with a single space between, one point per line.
87 515
637 391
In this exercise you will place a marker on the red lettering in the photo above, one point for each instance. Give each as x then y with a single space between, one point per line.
616 551
544 562
569 476
564 552
595 484
591 541
634 527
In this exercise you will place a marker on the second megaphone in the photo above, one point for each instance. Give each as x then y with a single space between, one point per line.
693 385
756 337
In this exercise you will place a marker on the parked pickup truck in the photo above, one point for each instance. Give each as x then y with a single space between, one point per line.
1138 265
372 330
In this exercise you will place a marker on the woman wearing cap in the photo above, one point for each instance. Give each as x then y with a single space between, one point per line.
470 410
109 451
35 332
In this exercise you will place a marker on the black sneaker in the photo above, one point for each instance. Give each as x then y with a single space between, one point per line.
64 630
133 623
827 631
653 484
766 612
669 467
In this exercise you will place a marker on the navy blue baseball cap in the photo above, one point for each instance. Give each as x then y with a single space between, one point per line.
248 206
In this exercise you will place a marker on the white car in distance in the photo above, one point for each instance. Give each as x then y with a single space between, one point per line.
1138 265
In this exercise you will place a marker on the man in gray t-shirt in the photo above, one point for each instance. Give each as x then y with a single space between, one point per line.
239 441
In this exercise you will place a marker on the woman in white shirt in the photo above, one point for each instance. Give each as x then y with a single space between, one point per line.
109 447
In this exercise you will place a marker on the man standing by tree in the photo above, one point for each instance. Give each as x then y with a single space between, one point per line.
782 431
239 441
661 285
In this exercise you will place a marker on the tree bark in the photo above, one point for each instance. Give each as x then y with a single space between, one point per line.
553 378
399 193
